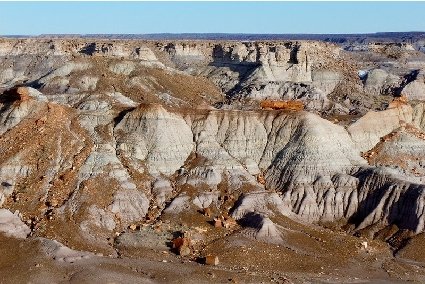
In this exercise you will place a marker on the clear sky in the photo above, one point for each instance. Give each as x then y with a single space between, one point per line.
32 18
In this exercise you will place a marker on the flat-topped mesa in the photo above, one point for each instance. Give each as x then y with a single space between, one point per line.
289 70
275 70
67 47
277 61
251 53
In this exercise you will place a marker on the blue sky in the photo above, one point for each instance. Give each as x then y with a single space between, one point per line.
32 18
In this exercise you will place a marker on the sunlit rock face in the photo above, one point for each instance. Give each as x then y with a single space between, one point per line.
104 135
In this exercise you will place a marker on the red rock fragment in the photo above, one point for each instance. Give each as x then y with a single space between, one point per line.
182 246
282 105
211 260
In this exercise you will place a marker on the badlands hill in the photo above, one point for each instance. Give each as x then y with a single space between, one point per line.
286 161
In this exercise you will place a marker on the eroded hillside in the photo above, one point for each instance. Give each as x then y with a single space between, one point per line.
118 148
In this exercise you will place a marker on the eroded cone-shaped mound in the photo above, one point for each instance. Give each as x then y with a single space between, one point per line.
261 228
159 138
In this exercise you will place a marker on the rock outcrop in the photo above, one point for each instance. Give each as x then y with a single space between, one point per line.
367 131
116 134
415 90
263 70
153 137
11 225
